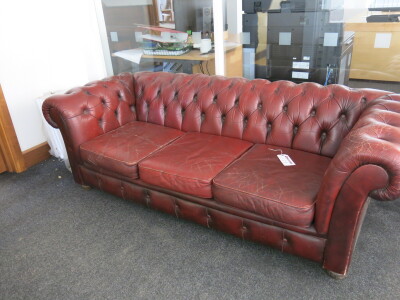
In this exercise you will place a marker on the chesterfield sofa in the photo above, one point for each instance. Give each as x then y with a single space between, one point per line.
205 148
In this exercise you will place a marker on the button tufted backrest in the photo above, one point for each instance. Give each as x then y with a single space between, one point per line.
110 102
86 112
306 116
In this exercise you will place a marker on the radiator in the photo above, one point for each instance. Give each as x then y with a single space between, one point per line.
53 135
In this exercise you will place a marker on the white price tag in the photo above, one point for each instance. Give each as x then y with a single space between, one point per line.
286 160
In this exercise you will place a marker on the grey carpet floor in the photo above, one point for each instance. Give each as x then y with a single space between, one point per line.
58 241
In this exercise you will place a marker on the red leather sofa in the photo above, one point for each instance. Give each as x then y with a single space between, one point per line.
205 148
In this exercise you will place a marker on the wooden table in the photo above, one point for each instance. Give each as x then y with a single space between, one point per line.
188 60
195 62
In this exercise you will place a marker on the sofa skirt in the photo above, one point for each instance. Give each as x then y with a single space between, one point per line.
294 240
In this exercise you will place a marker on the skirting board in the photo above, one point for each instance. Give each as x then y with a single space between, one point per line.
36 154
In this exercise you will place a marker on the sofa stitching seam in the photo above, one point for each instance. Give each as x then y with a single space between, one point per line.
193 178
268 199
126 162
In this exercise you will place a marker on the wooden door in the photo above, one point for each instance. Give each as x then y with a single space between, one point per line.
11 158
3 166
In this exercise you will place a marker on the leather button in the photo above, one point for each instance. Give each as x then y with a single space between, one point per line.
285 108
285 240
313 113
236 102
259 106
363 100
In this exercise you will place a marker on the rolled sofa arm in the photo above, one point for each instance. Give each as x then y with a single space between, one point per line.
374 140
89 111
366 164
73 102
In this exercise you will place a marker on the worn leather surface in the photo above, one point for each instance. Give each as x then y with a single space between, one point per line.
94 109
306 116
89 111
374 140
258 182
120 150
348 214
296 242
189 164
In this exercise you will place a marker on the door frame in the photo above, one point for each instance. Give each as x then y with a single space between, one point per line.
9 144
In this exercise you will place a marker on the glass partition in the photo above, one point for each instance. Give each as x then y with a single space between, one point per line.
355 43
164 35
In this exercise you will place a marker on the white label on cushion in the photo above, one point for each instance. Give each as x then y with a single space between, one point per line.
286 160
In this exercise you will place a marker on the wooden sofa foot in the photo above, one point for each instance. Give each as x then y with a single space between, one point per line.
336 275
86 187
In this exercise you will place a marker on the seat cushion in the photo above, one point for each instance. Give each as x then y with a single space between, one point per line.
120 150
189 164
259 183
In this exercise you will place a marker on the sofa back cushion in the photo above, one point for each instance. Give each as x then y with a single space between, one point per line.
83 113
306 116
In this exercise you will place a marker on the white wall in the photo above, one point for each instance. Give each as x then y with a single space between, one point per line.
356 10
46 45
114 3
234 16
